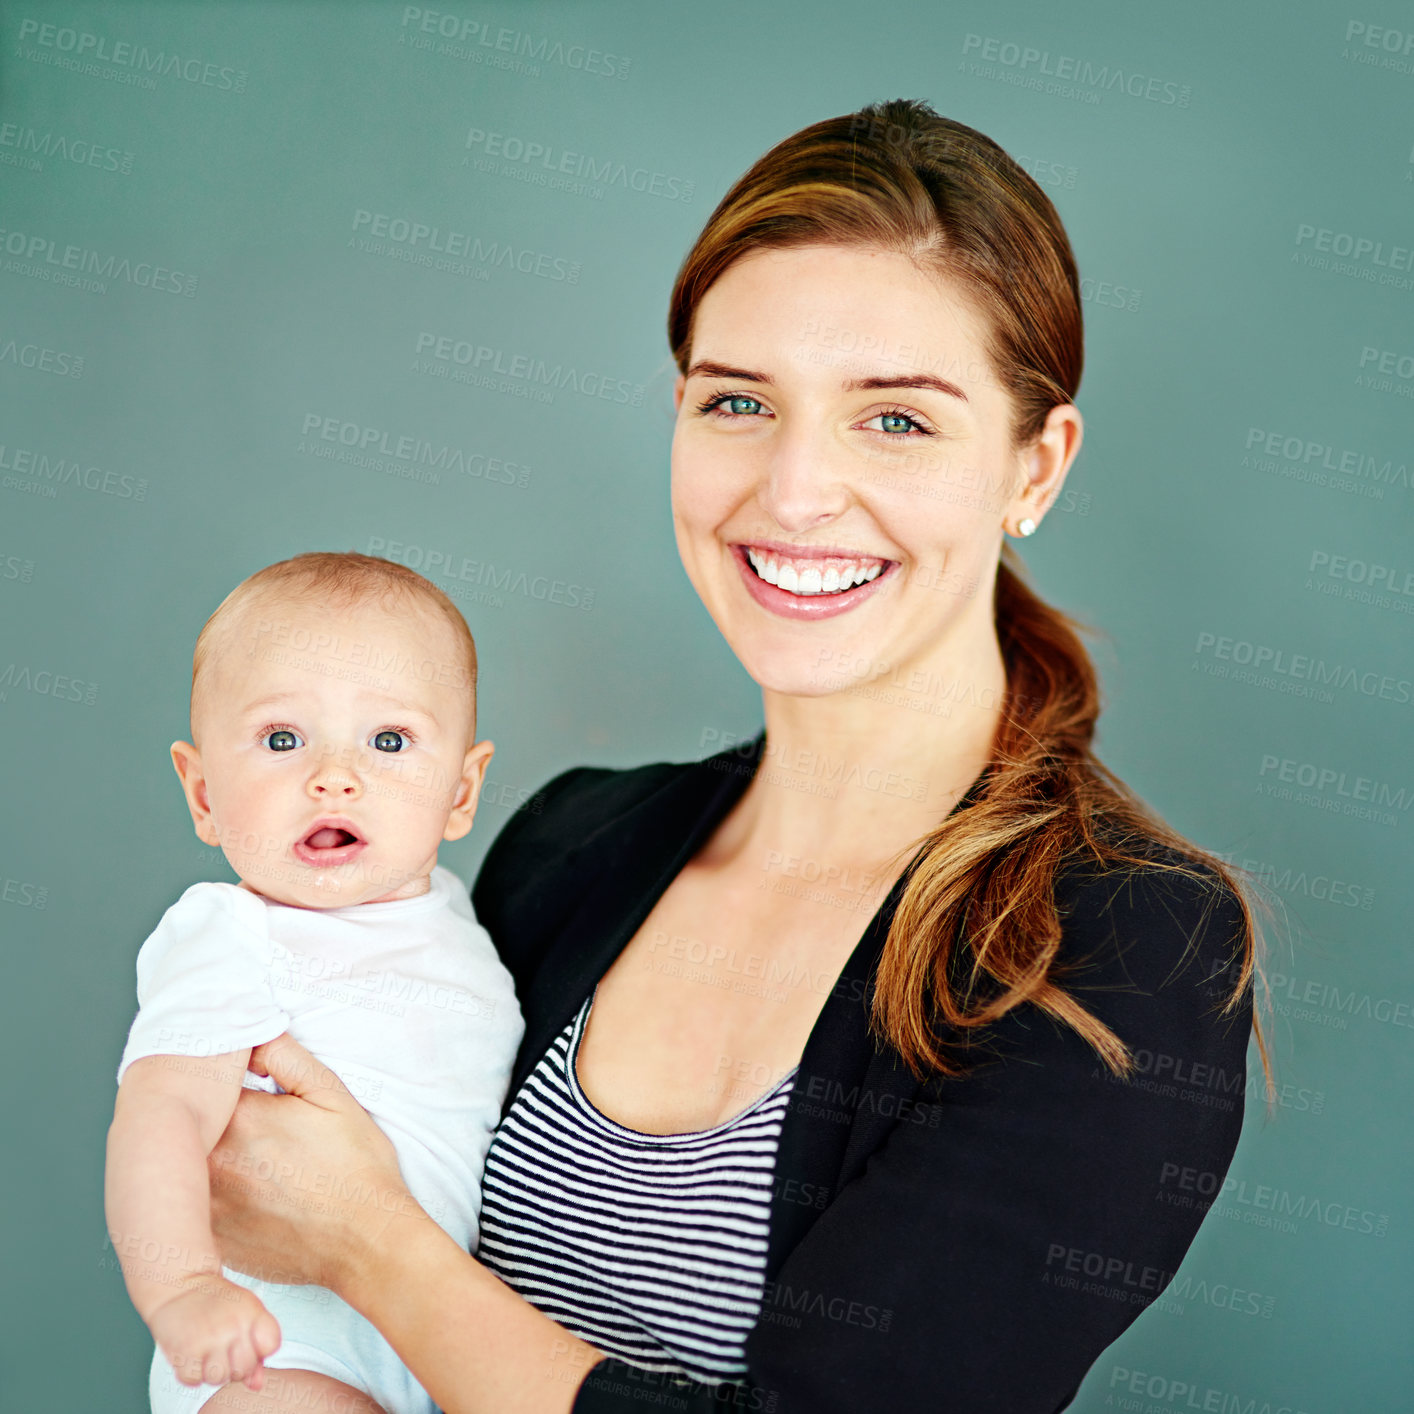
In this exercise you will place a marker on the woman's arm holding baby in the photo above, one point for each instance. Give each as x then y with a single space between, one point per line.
169 1113
318 1183
474 1343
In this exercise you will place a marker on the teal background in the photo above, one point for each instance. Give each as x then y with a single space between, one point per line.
194 406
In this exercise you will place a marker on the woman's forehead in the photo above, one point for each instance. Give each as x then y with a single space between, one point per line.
847 312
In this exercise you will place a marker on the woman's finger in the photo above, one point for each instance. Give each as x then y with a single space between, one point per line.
299 1073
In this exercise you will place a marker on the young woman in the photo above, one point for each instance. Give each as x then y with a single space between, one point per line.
858 1060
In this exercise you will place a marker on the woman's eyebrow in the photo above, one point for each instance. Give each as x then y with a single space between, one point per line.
726 370
901 380
908 380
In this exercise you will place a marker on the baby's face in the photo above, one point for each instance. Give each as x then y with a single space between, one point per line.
333 750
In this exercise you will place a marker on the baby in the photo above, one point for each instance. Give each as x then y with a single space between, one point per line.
333 723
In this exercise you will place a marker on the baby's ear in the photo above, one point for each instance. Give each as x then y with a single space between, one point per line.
186 759
474 765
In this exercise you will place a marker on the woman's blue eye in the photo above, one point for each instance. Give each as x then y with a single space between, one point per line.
895 422
389 741
282 739
731 405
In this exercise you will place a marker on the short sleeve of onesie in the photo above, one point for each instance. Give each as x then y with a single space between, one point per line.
204 978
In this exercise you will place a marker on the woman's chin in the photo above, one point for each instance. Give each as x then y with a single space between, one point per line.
805 672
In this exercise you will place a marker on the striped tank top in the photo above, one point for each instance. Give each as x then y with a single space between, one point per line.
651 1247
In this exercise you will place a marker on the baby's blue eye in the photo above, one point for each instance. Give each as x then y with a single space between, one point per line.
744 406
282 739
389 741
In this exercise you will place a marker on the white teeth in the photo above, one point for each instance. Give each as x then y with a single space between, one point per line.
808 579
765 568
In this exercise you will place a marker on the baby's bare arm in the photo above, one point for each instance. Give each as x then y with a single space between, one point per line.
169 1114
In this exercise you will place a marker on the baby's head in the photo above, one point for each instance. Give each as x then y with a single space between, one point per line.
333 721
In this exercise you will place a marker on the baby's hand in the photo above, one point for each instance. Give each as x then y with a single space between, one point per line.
214 1331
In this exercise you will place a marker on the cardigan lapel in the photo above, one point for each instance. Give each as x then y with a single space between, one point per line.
621 873
832 1083
848 1092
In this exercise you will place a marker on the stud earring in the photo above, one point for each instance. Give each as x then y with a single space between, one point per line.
1026 527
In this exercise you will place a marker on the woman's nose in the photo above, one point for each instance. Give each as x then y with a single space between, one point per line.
803 484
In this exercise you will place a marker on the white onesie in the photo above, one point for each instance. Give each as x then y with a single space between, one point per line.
408 1003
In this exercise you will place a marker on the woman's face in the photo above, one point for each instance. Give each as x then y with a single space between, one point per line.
842 469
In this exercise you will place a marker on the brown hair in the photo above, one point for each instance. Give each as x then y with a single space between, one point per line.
340 580
898 177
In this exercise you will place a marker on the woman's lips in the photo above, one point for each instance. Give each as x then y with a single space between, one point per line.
799 572
329 844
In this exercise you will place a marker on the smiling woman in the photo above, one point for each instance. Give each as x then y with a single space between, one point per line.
751 1154
764 457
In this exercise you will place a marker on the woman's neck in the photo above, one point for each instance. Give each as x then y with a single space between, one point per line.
867 770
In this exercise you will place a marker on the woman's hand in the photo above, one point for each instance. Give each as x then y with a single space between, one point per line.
302 1184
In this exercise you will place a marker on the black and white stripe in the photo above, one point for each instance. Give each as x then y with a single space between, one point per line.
652 1247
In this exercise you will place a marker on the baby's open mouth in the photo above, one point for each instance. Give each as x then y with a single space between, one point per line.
329 843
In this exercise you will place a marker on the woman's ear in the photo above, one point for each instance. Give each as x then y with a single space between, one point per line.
677 392
1044 464
474 765
187 761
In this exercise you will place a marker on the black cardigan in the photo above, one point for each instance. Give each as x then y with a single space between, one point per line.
948 1247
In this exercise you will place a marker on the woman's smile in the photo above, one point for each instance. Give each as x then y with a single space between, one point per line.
809 582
